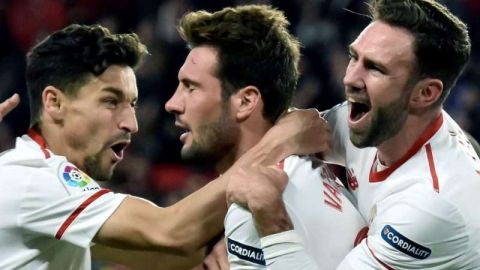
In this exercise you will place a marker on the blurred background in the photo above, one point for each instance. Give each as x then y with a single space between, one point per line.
152 167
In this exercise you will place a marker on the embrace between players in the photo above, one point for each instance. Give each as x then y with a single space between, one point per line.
413 176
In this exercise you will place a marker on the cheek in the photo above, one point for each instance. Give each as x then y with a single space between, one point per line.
205 113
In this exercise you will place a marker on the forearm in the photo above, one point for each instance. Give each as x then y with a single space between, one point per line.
198 218
146 260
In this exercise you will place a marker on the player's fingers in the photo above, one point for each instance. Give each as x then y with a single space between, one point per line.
277 176
211 264
8 105
220 251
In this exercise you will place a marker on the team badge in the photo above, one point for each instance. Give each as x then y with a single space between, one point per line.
75 177
403 244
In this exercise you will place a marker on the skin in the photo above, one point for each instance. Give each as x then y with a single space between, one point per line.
105 109
381 73
210 133
8 105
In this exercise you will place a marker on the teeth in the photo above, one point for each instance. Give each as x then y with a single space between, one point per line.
351 99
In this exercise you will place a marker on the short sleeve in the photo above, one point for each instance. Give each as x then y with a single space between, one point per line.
74 215
415 229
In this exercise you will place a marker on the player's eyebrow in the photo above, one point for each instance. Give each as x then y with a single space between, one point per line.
118 93
189 82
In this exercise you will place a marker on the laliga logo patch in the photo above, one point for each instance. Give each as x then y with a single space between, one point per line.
403 244
74 177
244 252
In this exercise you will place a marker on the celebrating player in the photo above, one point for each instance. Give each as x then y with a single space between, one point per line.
239 76
83 91
413 172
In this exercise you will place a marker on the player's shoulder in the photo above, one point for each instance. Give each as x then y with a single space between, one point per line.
423 208
25 153
420 226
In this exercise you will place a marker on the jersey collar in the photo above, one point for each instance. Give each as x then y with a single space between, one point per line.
378 176
36 137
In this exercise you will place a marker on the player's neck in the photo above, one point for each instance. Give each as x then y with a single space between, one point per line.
250 134
57 143
396 147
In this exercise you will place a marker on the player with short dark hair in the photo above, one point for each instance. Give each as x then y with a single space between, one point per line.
239 76
83 93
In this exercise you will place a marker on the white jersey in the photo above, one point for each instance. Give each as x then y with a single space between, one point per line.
50 210
422 210
324 220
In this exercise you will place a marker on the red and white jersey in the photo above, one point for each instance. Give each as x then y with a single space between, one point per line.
50 210
325 220
423 210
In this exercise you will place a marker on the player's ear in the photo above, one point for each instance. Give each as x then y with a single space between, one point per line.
426 92
54 101
246 101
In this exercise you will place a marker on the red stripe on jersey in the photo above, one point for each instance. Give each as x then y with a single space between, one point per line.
427 134
431 164
77 212
39 140
378 260
362 234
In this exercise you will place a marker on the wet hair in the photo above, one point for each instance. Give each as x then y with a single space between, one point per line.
254 48
68 58
441 41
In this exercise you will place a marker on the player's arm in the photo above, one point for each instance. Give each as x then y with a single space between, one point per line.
261 193
146 260
189 224
8 105
300 132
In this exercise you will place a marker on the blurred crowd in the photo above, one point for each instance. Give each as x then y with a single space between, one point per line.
152 167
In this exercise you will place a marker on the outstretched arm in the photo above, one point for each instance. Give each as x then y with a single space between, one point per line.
8 105
146 260
189 224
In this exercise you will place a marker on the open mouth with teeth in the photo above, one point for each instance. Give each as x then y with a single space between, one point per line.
118 149
358 110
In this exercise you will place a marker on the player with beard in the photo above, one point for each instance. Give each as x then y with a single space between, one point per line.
238 78
412 170
83 93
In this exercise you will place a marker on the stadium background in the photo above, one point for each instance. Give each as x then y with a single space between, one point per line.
152 167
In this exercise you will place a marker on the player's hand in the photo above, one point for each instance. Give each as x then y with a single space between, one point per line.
260 189
8 105
217 259
302 131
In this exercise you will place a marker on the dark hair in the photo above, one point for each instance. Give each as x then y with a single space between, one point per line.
67 59
442 44
254 48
